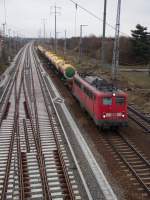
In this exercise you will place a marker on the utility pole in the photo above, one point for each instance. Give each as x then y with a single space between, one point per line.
55 30
50 35
1 38
75 21
4 29
65 43
55 14
50 40
2 42
3 50
104 34
44 32
80 43
9 42
14 40
50 27
57 34
115 61
5 12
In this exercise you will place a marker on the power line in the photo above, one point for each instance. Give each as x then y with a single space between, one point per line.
44 30
95 16
88 11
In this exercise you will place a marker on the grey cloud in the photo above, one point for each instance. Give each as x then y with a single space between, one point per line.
26 16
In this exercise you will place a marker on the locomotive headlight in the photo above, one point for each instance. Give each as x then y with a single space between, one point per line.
114 94
123 115
104 116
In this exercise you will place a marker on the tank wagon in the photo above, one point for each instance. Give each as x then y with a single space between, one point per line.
65 69
41 49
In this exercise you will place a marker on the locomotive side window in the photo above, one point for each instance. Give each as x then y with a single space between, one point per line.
120 100
107 101
89 93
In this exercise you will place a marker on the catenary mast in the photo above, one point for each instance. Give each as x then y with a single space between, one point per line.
115 61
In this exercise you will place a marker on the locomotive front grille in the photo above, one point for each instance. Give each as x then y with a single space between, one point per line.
113 115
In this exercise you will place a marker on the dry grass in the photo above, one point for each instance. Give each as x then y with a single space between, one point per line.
2 68
137 79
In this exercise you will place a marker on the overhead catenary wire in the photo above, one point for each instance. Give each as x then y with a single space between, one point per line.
95 16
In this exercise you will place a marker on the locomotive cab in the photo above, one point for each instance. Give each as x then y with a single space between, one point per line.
113 109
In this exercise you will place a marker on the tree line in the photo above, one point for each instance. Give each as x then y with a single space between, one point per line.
134 50
8 49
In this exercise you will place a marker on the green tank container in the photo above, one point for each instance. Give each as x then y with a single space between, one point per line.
69 72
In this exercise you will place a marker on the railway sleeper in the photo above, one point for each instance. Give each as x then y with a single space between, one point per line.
26 182
6 111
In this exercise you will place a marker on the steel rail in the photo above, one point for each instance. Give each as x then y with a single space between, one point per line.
46 192
13 135
26 135
9 82
139 179
8 92
20 164
134 149
20 167
62 161
139 118
36 135
132 109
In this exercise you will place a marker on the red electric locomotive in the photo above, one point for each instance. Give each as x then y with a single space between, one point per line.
106 105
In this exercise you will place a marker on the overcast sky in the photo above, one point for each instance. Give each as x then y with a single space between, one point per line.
25 16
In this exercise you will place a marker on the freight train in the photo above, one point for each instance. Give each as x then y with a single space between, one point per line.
106 104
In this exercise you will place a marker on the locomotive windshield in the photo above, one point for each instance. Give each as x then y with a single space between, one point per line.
107 101
120 100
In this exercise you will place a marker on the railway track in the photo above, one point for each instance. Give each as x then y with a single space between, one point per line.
132 161
33 159
142 120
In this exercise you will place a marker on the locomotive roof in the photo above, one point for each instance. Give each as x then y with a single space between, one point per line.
100 84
